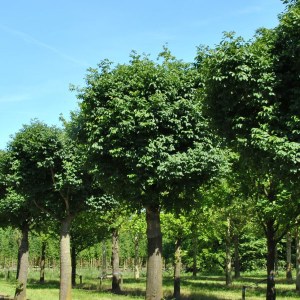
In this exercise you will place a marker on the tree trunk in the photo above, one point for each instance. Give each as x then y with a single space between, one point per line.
195 252
115 263
104 259
271 244
73 263
228 267
20 293
154 264
177 269
19 240
289 275
136 257
65 260
43 262
237 263
297 260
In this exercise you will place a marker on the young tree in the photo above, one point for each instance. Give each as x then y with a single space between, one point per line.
87 229
136 228
147 140
177 228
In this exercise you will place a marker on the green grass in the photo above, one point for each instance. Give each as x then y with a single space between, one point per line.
202 287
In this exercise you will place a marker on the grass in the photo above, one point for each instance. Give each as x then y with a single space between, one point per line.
210 287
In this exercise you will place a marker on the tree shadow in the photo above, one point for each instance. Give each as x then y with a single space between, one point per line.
51 284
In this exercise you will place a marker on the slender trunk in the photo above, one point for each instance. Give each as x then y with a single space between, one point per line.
136 257
276 260
19 240
73 263
18 263
297 260
65 260
228 255
237 263
271 244
289 275
154 265
115 263
177 269
195 252
104 259
43 262
20 293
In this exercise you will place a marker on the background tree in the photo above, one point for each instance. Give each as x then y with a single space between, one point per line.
16 210
242 100
176 228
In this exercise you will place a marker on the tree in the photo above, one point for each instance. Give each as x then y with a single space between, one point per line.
176 228
88 228
136 228
147 140
16 211
242 100
52 174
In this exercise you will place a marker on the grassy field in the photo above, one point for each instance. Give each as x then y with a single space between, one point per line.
202 287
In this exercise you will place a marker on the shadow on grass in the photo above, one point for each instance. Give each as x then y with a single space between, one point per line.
197 288
51 284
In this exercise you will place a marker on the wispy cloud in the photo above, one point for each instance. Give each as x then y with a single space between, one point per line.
30 39
14 98
248 10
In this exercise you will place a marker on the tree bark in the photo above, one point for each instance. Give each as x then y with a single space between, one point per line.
228 268
136 257
20 293
297 260
73 263
154 264
177 269
65 260
104 259
19 240
289 275
271 245
195 252
115 263
43 262
237 263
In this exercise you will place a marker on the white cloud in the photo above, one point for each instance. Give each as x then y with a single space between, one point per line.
14 98
30 39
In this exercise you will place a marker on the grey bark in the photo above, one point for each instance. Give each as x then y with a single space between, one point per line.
20 293
154 264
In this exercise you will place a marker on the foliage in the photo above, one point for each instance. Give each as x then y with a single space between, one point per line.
146 137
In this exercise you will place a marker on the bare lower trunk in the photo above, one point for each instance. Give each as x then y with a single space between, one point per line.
237 264
154 264
115 263
65 261
19 240
228 268
177 269
271 243
289 275
73 264
43 262
195 252
104 259
136 258
20 293
297 260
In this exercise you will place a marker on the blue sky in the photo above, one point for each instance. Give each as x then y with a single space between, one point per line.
47 45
